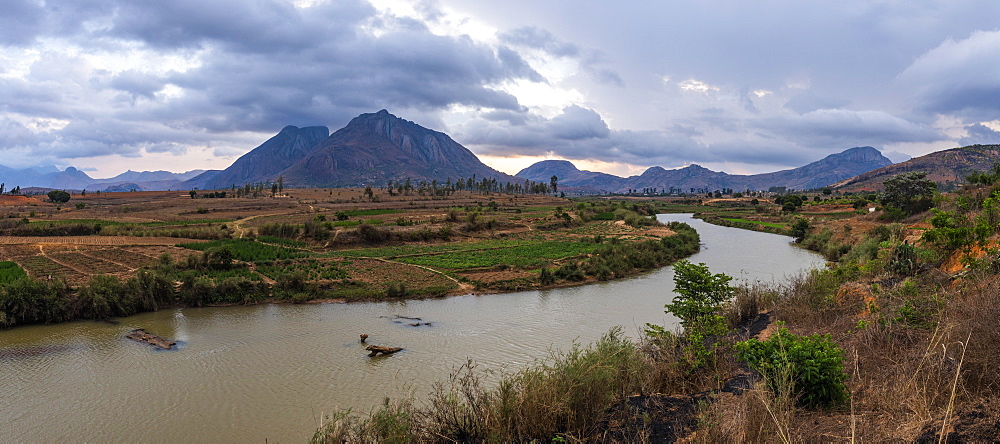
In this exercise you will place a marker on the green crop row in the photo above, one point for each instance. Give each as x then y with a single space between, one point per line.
523 256
404 250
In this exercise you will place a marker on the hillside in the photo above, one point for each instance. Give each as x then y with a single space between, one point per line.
819 174
569 175
265 163
946 167
375 148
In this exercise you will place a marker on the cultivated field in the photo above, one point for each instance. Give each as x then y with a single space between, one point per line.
333 243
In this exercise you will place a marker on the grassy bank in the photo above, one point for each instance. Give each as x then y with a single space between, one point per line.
896 342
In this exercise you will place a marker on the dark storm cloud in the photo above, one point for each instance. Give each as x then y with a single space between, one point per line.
959 77
592 62
576 123
808 101
263 64
751 85
20 22
847 128
980 134
537 38
137 83
578 133
241 26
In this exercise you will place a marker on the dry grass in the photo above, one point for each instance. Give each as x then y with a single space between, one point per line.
920 376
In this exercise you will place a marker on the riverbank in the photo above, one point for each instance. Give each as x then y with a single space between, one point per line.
285 366
894 344
436 247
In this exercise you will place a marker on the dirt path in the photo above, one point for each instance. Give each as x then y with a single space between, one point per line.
464 287
94 240
237 224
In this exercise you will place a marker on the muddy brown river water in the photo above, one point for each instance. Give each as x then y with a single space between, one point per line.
272 371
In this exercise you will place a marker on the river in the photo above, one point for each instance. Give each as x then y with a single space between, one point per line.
272 371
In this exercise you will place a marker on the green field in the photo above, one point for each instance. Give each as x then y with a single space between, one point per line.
756 222
405 250
524 256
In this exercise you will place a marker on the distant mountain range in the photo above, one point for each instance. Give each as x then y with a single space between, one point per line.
819 174
378 147
948 167
74 179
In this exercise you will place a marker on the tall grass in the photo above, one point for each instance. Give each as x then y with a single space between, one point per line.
566 395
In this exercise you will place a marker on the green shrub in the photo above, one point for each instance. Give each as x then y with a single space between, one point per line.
813 365
697 302
10 272
396 290
545 277
904 260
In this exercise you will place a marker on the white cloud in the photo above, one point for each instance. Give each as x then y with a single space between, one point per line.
697 86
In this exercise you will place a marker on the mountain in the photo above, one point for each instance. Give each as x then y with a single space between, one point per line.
567 173
946 167
149 176
265 163
375 148
819 174
45 177
71 178
824 172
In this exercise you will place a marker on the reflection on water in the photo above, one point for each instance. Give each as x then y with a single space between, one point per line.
272 371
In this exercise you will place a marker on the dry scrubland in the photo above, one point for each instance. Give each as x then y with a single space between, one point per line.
114 254
897 342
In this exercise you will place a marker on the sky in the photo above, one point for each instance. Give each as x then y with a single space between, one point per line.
733 85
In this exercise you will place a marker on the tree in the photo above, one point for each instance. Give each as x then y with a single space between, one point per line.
799 229
58 196
699 293
193 194
908 193
554 183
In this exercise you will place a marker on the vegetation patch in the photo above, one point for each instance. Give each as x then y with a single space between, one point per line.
249 250
10 272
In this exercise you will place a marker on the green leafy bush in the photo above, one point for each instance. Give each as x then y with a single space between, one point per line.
814 365
10 271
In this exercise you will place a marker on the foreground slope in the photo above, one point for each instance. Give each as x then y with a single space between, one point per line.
946 167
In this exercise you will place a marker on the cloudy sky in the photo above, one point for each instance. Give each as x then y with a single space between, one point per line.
734 85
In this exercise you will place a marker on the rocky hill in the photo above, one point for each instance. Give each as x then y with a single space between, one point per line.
375 148
948 167
819 174
266 162
569 175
